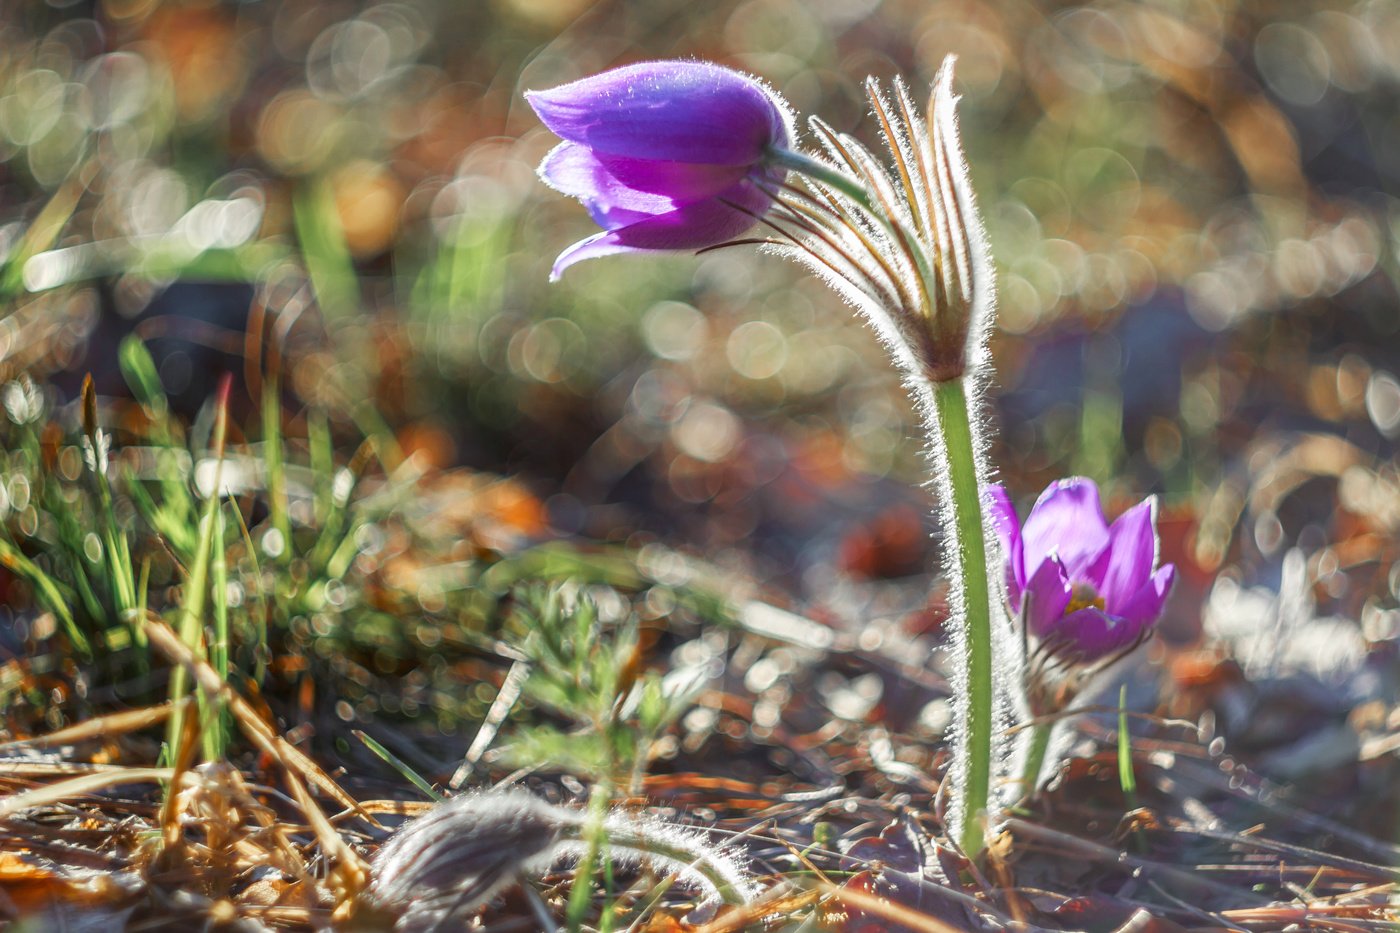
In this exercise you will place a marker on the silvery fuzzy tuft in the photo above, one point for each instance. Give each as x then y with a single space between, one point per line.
97 449
442 867
23 399
914 258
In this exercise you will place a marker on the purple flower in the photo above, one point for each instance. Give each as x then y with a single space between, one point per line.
1084 589
665 155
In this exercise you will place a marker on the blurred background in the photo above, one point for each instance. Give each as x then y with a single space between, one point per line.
1193 206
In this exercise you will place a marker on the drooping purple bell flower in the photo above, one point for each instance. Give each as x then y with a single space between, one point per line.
670 155
1085 589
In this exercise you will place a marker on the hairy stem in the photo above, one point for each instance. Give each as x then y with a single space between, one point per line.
828 175
678 856
1035 757
969 542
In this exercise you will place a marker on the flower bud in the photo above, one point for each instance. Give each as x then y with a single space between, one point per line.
669 155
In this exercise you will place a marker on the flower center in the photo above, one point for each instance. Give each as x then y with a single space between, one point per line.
1083 595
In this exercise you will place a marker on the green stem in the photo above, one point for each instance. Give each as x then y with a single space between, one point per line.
828 175
1035 757
965 531
700 863
594 834
668 855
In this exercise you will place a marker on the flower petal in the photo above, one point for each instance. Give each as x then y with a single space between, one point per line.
1066 521
637 184
594 247
670 111
682 182
1047 594
1131 553
1002 514
1090 634
573 170
690 226
1145 606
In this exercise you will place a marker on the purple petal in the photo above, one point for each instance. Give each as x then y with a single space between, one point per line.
1145 606
633 184
1002 514
691 226
1131 554
573 170
1089 634
1047 594
668 111
1067 521
594 247
682 182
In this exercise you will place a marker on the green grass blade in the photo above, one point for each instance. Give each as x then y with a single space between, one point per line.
401 766
49 592
41 234
323 247
117 553
220 649
274 458
192 610
139 371
1125 748
322 451
262 651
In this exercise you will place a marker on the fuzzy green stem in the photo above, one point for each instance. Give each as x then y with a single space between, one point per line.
828 175
967 536
701 863
1035 757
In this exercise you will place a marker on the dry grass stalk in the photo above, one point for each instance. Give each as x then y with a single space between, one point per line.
103 727
81 787
258 732
348 869
888 910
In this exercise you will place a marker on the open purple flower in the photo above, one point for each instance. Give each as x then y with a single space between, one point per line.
669 155
1085 589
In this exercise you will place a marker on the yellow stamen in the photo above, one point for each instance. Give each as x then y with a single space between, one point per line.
1084 596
